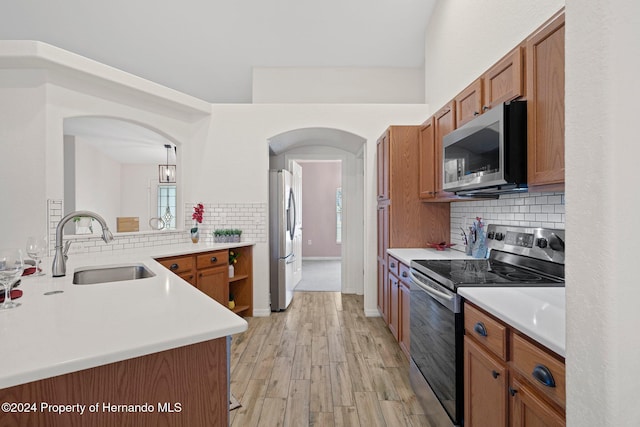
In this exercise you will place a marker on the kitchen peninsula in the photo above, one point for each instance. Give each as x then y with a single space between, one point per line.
155 349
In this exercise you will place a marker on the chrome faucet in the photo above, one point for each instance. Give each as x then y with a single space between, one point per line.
59 267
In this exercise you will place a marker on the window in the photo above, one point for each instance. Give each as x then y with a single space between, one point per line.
339 215
167 205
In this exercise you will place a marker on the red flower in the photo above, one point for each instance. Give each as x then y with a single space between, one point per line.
198 212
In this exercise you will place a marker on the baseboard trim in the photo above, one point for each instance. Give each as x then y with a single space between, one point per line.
261 312
321 258
372 313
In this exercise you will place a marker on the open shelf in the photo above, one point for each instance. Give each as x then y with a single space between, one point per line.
237 277
240 308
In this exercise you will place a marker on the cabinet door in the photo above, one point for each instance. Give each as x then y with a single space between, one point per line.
469 103
427 153
529 410
382 289
382 151
383 245
445 122
405 302
504 81
189 277
393 305
215 283
545 108
485 388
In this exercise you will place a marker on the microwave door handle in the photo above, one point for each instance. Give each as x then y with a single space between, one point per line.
429 289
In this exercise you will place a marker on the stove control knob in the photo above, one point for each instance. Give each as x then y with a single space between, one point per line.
499 236
556 243
541 243
491 235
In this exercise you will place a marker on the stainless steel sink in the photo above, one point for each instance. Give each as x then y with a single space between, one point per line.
110 273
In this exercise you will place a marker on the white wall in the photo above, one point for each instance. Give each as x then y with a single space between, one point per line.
133 200
400 85
97 183
602 68
464 38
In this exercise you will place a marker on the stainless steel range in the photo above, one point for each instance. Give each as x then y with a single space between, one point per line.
519 257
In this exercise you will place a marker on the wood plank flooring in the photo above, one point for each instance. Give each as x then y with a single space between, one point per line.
321 363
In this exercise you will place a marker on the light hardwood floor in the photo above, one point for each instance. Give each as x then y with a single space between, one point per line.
321 363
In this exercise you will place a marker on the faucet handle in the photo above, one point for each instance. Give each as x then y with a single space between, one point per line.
67 245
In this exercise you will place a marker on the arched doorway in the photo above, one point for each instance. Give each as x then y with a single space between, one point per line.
316 145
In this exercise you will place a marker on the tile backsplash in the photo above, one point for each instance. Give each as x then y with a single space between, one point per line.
251 218
525 210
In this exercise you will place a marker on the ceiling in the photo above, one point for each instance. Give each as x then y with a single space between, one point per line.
208 48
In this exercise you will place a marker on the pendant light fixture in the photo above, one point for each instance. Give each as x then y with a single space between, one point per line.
167 172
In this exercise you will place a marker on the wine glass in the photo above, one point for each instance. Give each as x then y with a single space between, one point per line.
11 268
36 248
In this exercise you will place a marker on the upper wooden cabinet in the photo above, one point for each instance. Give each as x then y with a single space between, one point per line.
504 81
545 109
430 153
427 153
469 102
445 122
501 83
382 151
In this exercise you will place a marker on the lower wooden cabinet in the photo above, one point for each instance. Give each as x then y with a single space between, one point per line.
215 283
508 379
397 295
485 392
529 410
209 272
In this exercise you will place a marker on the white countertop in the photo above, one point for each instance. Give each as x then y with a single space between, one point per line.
405 255
536 312
93 325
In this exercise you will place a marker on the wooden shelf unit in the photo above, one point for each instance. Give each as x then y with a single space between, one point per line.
208 271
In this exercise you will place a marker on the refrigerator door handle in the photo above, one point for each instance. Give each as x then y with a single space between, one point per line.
292 206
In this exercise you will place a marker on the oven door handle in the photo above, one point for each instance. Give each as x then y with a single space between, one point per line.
429 289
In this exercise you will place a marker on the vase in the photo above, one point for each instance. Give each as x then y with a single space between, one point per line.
195 235
231 271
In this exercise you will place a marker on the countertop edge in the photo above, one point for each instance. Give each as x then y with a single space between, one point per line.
538 335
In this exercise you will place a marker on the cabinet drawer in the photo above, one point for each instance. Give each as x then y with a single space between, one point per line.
539 366
178 264
393 265
404 273
212 259
489 332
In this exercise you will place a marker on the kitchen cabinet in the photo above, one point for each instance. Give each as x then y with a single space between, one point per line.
383 244
241 284
404 302
504 81
427 153
545 110
508 379
382 152
403 220
469 102
444 122
398 296
183 266
209 272
485 400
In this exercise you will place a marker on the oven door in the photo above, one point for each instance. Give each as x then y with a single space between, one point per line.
436 342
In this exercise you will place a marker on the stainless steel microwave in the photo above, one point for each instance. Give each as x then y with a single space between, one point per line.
488 155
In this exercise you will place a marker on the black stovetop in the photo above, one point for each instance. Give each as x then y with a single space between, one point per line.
483 273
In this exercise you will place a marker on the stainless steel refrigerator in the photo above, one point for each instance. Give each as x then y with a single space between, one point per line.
282 224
